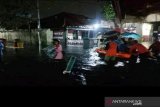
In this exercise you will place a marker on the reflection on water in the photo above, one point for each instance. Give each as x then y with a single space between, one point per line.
88 66
77 50
87 59
93 59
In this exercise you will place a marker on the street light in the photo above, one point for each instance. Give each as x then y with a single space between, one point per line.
96 26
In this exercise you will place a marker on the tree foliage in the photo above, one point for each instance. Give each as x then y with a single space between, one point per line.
108 10
15 13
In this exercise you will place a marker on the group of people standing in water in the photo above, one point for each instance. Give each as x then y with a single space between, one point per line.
132 48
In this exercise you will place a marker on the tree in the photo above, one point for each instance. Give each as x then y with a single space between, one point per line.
15 13
108 10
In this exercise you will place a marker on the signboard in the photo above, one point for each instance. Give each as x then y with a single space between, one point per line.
58 34
74 42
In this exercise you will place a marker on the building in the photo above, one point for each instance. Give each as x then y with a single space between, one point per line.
73 29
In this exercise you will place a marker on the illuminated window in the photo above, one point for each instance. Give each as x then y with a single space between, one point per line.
146 29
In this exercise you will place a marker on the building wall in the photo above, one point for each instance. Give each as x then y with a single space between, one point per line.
137 26
28 37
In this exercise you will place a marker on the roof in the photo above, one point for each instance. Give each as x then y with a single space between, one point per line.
136 7
64 19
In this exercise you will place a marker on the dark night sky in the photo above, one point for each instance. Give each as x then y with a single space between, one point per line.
89 8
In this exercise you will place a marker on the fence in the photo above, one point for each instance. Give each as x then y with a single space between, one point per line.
26 36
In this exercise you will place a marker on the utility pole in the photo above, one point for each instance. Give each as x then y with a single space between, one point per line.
38 27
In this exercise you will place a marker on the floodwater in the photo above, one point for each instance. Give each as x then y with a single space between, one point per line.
24 67
86 61
92 70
